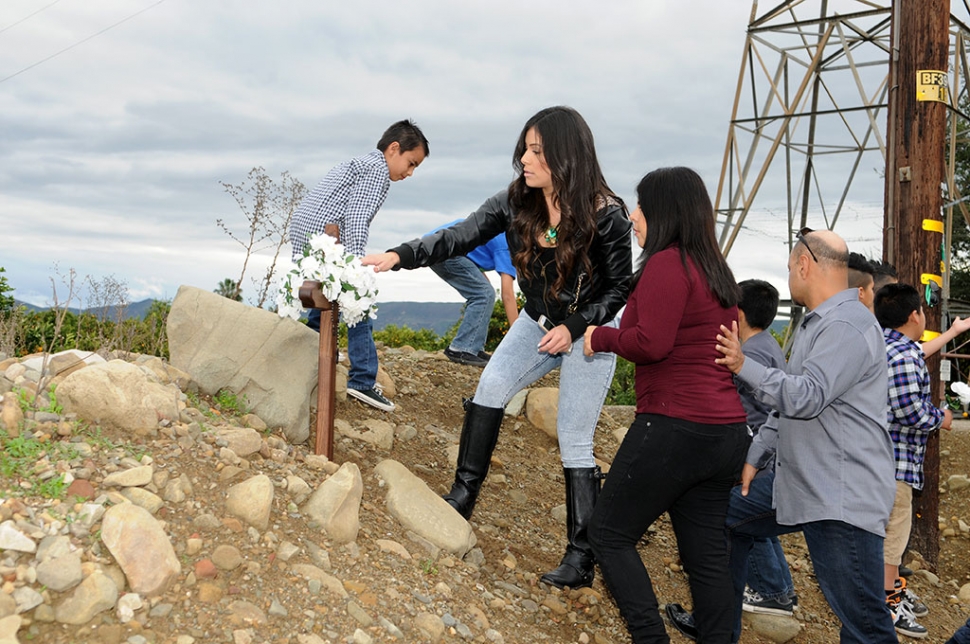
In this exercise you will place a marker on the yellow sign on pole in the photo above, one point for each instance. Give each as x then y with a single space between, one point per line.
932 85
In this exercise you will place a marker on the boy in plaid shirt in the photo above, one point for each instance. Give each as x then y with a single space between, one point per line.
912 417
350 195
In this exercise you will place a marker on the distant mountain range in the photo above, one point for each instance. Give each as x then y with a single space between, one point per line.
437 316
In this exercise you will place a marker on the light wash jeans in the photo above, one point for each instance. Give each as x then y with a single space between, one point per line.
583 384
466 278
361 351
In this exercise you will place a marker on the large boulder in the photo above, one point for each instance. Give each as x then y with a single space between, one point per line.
269 360
118 395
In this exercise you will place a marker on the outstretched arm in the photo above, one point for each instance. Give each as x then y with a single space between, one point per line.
381 261
957 327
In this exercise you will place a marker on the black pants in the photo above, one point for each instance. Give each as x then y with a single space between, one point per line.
686 469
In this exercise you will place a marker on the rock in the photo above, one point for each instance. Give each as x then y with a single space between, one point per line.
132 477
227 344
142 549
517 403
419 509
118 395
297 488
11 415
80 489
8 629
60 573
251 500
777 628
542 409
375 431
243 613
8 605
430 626
27 599
928 576
312 573
63 363
386 545
127 605
13 539
242 441
143 499
227 557
964 594
205 569
96 593
958 482
335 505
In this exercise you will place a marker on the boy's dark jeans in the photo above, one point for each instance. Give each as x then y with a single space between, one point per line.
962 636
686 469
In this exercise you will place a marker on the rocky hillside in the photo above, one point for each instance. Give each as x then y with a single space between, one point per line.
207 526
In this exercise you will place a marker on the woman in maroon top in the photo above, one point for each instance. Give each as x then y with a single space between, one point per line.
686 447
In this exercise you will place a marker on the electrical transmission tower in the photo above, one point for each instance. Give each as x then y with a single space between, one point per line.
810 112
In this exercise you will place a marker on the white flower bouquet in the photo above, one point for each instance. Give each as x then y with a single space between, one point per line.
342 278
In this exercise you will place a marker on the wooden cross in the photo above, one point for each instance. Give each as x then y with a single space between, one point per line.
311 297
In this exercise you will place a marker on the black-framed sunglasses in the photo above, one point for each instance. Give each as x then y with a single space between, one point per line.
800 236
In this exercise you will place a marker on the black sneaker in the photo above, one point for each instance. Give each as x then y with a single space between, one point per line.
755 603
484 356
681 620
904 621
905 572
372 397
463 357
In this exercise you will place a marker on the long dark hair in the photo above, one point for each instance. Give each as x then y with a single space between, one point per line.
579 186
678 210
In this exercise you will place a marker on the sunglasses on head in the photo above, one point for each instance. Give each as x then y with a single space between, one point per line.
800 236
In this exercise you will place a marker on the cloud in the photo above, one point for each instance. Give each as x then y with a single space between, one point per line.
115 150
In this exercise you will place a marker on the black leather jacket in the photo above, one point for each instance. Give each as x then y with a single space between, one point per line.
600 296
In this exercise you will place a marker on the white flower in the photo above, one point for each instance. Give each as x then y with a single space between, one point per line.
342 279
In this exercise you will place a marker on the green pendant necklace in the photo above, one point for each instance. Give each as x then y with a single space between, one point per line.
552 233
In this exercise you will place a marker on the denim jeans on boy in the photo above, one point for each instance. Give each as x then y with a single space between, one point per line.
768 573
848 564
583 384
962 636
469 280
686 469
361 351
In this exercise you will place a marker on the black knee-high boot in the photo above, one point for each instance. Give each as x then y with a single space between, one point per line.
576 568
478 437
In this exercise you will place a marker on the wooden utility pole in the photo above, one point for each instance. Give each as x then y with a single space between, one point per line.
914 171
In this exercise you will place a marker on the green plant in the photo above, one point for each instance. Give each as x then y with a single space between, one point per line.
622 389
229 402
53 406
428 567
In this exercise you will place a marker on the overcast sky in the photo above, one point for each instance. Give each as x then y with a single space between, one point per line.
112 153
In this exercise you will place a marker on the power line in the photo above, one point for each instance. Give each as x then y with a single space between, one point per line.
80 42
30 16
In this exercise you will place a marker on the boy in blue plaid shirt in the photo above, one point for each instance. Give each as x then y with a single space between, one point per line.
350 195
912 417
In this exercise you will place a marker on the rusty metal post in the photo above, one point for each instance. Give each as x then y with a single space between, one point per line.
311 297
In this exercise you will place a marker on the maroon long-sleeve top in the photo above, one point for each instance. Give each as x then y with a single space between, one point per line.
668 331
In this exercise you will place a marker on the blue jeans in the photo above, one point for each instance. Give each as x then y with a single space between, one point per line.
466 278
361 351
962 636
768 573
686 469
583 384
848 564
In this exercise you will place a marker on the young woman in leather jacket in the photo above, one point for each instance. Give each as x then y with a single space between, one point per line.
569 237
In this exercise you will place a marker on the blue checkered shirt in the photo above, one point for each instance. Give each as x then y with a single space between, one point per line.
350 195
912 415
